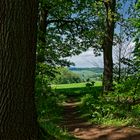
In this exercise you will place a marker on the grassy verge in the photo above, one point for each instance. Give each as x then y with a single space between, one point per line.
109 112
102 110
49 117
55 132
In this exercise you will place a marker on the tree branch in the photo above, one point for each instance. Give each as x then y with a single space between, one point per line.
60 20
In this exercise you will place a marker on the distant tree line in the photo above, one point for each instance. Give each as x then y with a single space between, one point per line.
65 76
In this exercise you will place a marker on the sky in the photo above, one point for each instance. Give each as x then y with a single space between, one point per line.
87 59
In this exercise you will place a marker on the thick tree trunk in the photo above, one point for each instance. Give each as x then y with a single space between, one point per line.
17 70
108 68
108 43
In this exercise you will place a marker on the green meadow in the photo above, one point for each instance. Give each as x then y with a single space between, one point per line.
74 85
77 89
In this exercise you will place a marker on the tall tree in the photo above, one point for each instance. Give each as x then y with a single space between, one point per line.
72 26
59 34
110 6
136 24
17 69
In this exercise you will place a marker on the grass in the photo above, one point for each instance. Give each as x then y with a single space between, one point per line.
99 110
55 131
65 86
116 122
76 89
108 112
74 85
49 111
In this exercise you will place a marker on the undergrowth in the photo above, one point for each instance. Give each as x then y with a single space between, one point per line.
50 115
108 111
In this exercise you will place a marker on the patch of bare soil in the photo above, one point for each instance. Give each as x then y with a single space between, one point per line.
83 130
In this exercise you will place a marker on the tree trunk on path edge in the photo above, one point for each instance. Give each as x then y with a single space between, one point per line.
18 20
110 6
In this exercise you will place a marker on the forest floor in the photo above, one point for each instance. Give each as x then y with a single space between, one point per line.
80 128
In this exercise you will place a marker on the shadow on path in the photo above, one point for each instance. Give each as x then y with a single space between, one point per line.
82 129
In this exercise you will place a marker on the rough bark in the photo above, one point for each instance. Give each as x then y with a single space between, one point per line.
107 44
108 68
17 70
42 25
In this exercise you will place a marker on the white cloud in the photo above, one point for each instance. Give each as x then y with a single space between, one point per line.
87 59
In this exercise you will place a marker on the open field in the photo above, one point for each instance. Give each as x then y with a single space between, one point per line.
74 85
77 89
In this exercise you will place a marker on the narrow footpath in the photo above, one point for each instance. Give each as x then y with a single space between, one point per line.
80 128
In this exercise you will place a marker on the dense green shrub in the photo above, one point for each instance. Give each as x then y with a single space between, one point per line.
107 110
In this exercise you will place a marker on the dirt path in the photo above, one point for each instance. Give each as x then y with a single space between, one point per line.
83 130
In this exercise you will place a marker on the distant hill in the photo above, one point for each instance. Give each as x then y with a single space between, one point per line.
94 69
88 73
